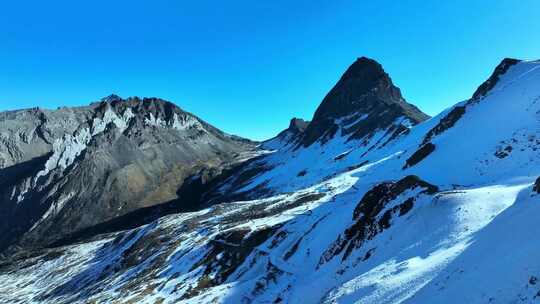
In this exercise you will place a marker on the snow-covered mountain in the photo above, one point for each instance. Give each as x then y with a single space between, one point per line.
370 202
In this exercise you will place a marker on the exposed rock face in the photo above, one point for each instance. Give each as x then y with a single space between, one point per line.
489 84
364 100
28 134
70 169
419 155
446 123
296 128
374 213
298 125
458 111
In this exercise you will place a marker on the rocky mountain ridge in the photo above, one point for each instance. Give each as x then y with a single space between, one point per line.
70 169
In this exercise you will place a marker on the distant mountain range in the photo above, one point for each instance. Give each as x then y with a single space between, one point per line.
372 201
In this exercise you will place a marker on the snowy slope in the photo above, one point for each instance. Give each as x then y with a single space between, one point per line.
363 220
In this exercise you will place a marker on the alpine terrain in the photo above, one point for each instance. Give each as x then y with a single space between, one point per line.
372 201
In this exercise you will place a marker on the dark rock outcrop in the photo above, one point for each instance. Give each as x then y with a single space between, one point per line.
376 198
372 215
446 123
419 155
298 125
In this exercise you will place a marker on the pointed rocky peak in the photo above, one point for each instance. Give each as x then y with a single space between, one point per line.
364 78
489 84
363 100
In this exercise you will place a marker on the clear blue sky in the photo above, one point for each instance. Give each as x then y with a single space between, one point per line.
249 66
